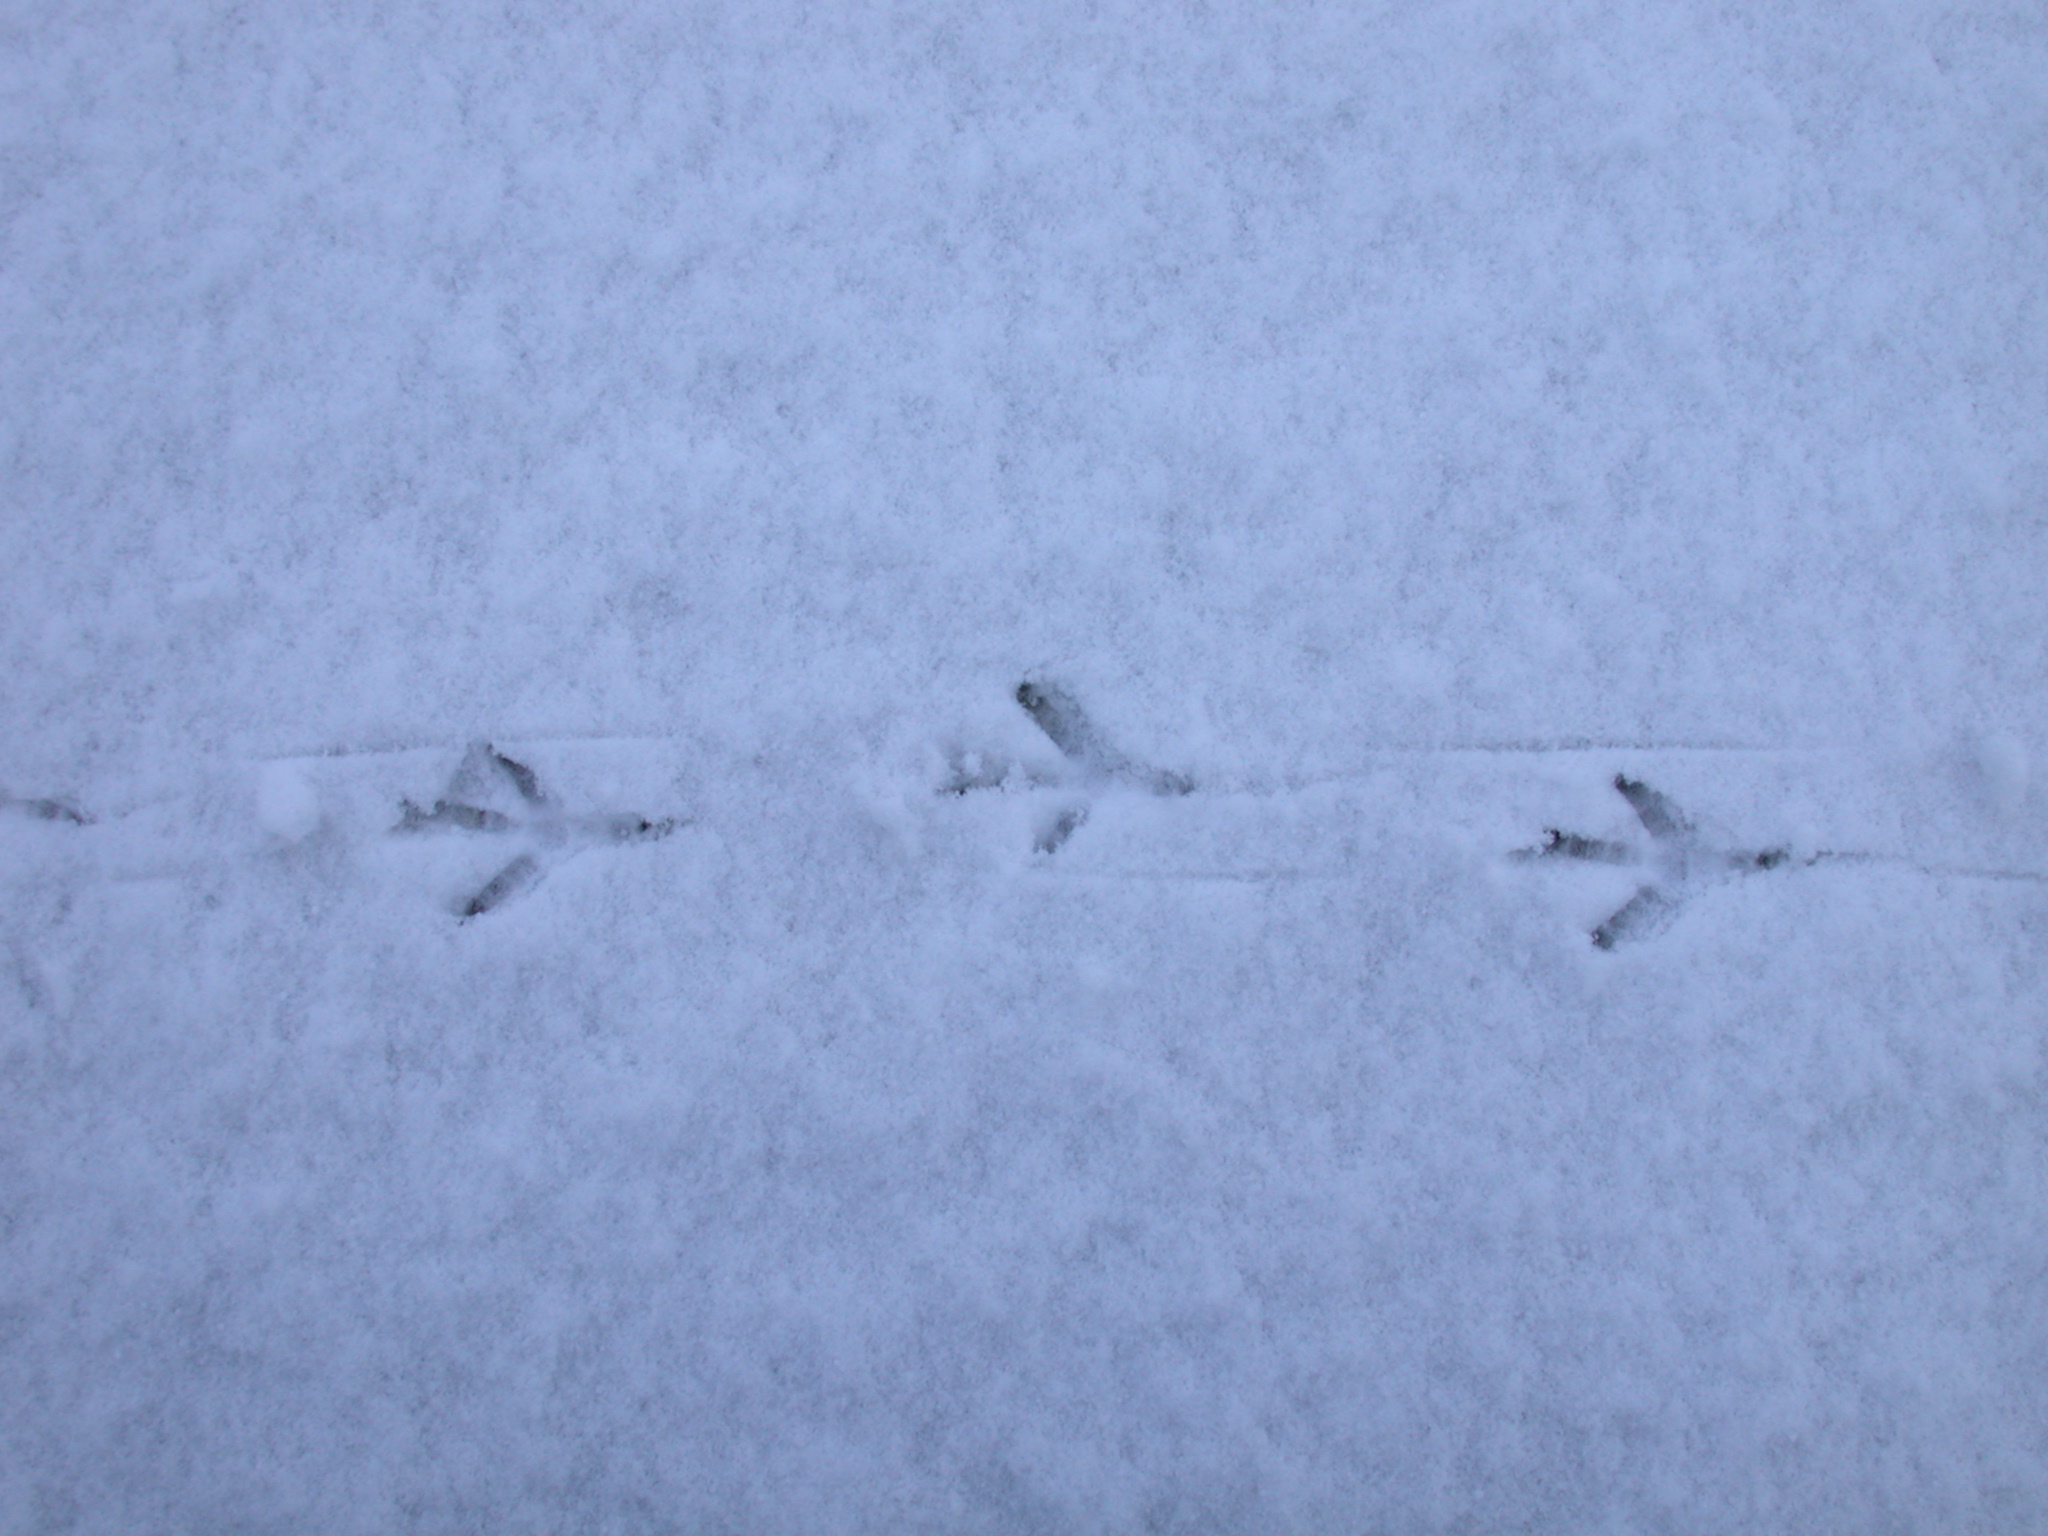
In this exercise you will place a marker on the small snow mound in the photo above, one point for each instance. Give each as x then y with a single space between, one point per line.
287 805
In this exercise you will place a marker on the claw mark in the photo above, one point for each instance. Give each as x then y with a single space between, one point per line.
1645 914
508 882
1659 817
484 768
1059 714
524 807
522 777
1570 845
452 814
1676 855
1063 826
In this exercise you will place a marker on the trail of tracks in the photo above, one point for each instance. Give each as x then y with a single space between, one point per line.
493 793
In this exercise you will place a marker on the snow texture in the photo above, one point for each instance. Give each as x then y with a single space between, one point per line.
1073 768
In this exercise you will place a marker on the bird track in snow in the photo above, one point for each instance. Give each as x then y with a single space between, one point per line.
1678 860
490 794
1682 863
1092 763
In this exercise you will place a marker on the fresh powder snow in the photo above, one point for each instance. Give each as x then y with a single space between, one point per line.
1061 768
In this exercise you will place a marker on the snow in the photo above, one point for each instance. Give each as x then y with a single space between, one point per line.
287 804
667 439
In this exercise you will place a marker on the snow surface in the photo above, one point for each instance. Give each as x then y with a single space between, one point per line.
1397 420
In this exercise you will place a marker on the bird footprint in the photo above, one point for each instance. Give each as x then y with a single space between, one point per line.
495 795
1092 761
1682 862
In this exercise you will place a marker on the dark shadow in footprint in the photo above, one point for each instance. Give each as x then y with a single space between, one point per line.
1059 714
484 769
1645 914
1660 818
630 829
43 809
1570 845
1054 834
1164 781
521 874
453 815
523 778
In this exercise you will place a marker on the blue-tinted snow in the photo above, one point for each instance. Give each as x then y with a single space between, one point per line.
1398 422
